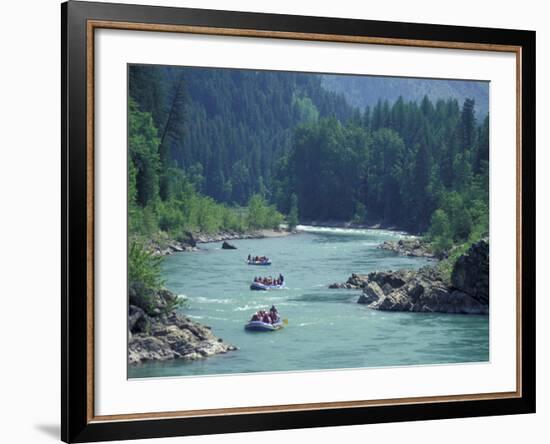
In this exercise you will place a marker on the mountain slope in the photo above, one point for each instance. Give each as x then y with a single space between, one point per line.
363 91
229 127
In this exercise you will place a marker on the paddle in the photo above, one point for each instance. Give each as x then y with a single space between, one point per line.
285 321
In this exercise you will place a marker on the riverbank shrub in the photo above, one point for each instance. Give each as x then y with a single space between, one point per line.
144 276
262 215
144 268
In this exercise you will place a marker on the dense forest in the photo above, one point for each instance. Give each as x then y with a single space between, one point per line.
213 149
395 165
228 128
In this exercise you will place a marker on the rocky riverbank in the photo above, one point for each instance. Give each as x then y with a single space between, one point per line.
411 247
189 241
427 289
161 333
354 282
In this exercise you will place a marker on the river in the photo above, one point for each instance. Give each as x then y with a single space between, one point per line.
326 328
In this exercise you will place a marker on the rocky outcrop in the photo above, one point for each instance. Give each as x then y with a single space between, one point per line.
165 247
170 336
410 247
424 290
228 246
359 281
471 272
354 282
159 333
428 290
371 294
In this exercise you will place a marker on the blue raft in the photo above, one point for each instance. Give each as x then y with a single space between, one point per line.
268 262
263 326
262 287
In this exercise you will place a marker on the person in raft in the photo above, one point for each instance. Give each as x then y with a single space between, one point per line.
269 280
261 315
257 258
268 318
274 314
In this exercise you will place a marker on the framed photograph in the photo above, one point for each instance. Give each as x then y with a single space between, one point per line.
276 221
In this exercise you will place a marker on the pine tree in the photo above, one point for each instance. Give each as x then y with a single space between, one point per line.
467 128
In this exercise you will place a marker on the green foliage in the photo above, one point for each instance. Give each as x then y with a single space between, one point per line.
144 276
147 90
164 198
396 165
327 164
145 281
305 109
148 220
461 220
169 217
177 303
384 173
293 218
144 268
262 215
234 219
143 146
360 215
459 208
446 266
204 143
235 124
467 127
440 232
256 212
274 219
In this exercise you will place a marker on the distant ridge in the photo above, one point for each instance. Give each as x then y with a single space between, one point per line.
363 91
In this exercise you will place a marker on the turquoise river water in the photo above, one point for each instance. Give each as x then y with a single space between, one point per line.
327 329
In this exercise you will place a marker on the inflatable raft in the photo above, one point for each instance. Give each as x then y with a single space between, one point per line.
263 326
268 262
262 287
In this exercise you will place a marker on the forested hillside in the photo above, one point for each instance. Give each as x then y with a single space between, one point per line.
410 165
206 142
228 128
366 91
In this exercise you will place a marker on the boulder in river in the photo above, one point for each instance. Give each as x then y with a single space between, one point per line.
227 246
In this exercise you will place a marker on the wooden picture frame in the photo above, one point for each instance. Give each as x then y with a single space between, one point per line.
79 22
